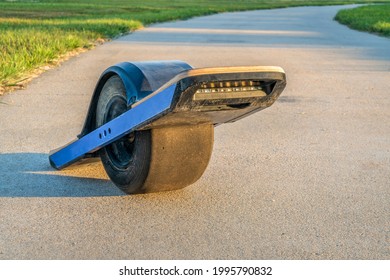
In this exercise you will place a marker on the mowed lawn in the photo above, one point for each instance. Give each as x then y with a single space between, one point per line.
372 18
34 33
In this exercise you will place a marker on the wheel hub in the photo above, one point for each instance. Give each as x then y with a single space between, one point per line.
120 151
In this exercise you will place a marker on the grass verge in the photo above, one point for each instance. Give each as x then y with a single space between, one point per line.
372 18
28 44
35 33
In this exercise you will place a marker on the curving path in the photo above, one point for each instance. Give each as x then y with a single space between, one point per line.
307 178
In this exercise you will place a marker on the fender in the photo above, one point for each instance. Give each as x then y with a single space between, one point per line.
139 79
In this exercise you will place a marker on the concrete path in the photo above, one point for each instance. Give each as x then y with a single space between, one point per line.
308 178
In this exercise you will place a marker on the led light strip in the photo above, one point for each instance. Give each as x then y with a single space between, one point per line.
229 89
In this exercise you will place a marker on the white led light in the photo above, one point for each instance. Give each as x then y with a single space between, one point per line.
229 89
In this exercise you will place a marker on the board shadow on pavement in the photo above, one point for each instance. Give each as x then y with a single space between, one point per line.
30 175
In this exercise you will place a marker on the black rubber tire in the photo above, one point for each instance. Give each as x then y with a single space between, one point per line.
126 160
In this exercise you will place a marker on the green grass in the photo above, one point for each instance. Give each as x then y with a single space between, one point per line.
372 18
34 33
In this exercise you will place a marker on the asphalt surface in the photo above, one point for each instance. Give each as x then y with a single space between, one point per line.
308 178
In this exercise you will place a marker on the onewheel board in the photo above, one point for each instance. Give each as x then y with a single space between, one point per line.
152 123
